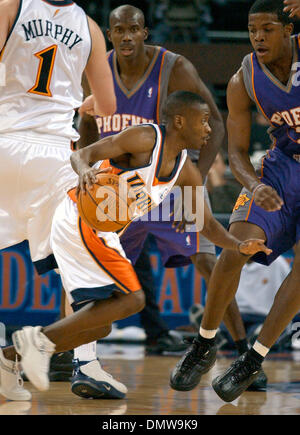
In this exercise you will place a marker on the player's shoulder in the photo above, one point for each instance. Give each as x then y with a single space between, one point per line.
9 7
143 136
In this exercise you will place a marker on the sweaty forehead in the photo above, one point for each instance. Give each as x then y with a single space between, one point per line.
126 18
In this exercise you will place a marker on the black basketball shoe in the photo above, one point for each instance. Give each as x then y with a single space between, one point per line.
259 383
237 378
197 361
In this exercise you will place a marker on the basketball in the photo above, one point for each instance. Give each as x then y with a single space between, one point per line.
106 206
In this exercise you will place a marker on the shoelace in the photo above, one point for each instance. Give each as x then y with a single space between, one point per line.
16 371
242 370
193 354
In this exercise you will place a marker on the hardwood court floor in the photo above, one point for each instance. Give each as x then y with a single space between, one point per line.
149 392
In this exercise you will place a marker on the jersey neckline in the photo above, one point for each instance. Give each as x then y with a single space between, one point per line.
286 88
59 3
130 92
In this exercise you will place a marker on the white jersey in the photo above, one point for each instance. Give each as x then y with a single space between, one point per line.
148 188
44 58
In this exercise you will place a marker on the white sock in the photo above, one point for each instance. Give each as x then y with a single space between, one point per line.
208 333
260 348
86 352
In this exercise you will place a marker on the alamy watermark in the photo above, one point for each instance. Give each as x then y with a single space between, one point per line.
176 205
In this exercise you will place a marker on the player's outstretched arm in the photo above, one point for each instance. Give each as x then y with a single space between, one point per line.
212 229
133 140
8 13
99 74
184 77
239 129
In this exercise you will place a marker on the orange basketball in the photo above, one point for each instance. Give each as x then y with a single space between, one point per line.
105 207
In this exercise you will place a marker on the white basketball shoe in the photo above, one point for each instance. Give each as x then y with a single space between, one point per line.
36 351
11 383
92 382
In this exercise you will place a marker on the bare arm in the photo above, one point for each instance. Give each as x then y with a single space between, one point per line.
98 73
133 140
212 229
88 129
239 130
8 13
184 77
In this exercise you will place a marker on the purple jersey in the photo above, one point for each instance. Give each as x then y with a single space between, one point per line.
139 105
278 102
281 166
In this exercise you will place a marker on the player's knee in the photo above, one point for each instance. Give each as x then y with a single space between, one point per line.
204 263
138 301
106 330
296 262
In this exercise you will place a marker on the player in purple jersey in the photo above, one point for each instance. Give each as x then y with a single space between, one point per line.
143 76
269 206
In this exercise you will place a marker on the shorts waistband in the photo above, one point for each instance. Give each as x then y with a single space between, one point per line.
39 138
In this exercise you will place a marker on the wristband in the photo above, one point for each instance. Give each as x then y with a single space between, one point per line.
257 187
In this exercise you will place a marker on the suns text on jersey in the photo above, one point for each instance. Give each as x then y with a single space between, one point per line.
119 122
36 28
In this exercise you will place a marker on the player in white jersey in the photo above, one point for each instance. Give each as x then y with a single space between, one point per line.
98 278
45 46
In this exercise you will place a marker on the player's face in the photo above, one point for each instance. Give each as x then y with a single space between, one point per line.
197 127
127 35
268 36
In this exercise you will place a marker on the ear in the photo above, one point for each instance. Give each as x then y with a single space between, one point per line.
146 33
179 122
288 28
108 34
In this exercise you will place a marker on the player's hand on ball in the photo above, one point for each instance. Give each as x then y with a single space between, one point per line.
267 198
252 246
88 178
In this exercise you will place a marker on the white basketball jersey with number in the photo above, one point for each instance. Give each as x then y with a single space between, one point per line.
44 58
147 187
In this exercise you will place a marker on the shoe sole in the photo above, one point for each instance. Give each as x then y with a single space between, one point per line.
225 396
191 386
16 398
89 391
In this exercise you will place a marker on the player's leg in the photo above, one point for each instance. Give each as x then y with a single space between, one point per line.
204 262
92 269
286 305
222 287
136 245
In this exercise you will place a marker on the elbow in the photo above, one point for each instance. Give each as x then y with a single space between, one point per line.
106 108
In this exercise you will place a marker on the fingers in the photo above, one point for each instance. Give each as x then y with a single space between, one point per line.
267 198
292 7
180 226
251 247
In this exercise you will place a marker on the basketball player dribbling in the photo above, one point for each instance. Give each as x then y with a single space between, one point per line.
144 76
270 210
100 282
45 46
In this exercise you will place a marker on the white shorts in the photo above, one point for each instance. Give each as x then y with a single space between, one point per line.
36 174
92 265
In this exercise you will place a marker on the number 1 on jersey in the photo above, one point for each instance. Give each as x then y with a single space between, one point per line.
44 74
